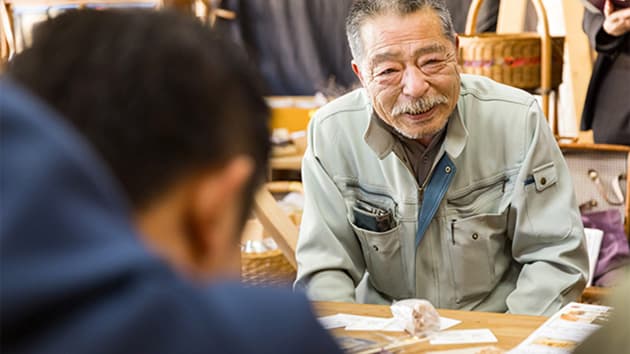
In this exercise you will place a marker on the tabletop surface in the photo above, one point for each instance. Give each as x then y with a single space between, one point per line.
509 329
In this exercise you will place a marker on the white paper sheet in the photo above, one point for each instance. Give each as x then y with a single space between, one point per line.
474 350
466 336
446 323
333 321
368 323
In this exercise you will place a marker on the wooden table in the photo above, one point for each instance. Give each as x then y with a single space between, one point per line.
291 162
509 329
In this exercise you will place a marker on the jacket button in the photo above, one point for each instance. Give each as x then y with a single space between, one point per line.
447 169
475 236
543 181
375 248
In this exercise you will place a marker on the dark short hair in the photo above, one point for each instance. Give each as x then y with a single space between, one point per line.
362 10
158 94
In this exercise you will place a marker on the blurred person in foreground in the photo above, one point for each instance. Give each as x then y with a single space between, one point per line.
176 125
431 184
613 337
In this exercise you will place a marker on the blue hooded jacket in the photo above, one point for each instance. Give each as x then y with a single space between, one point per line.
74 277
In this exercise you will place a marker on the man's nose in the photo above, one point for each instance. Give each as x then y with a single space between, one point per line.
414 82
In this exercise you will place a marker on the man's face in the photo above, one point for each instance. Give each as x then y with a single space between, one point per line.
409 69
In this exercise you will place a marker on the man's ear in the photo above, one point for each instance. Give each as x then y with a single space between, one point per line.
357 71
221 186
215 210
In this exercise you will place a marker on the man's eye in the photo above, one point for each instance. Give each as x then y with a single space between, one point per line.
387 72
433 66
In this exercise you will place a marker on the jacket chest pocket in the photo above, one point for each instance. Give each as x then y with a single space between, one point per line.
479 253
381 246
483 198
382 254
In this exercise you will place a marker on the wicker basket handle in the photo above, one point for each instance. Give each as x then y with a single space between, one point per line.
545 46
475 6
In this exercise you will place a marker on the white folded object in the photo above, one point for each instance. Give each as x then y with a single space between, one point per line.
421 319
593 243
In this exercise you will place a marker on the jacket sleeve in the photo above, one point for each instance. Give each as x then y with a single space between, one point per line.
329 256
545 226
270 321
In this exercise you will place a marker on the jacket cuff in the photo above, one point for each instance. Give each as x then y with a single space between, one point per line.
608 44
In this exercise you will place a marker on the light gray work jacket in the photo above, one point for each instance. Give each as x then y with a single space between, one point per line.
495 227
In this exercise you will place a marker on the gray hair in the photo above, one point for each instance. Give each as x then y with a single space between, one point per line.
363 10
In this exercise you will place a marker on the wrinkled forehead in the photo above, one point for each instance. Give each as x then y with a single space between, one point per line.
403 51
395 32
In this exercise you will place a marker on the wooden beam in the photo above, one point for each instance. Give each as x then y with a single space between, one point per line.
184 6
579 57
277 223
6 33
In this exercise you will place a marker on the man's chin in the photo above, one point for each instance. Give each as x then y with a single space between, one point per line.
416 134
412 134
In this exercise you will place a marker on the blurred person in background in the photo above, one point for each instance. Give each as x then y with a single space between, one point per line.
300 45
606 109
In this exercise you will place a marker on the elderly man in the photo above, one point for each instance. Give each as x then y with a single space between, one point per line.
431 184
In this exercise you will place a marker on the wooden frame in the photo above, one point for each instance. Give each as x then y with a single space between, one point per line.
277 222
7 40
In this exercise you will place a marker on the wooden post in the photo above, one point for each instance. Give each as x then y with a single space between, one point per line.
579 58
7 38
512 16
277 223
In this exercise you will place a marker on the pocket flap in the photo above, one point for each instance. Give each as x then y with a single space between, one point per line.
545 176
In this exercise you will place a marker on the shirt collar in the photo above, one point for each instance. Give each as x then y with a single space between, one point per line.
378 137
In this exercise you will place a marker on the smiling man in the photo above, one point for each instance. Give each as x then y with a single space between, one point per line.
430 184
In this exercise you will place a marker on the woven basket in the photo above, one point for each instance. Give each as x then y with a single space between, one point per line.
512 59
525 60
267 269
271 268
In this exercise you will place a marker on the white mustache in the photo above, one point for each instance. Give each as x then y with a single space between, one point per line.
418 106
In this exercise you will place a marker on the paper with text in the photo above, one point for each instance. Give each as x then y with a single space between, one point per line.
565 330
